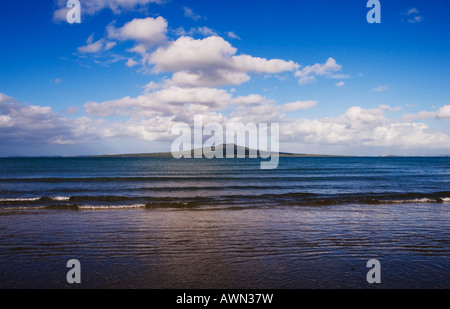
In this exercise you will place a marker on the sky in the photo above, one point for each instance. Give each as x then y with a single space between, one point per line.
121 79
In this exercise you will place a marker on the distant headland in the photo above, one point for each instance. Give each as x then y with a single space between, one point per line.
221 148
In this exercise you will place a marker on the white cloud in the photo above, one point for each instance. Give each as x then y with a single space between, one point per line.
197 67
96 47
60 15
413 16
299 106
187 53
168 102
261 65
233 35
360 127
189 13
338 76
151 116
151 86
308 74
212 78
211 62
411 11
72 110
415 19
442 113
264 112
250 99
22 123
381 88
131 63
204 31
92 7
389 108
6 121
147 32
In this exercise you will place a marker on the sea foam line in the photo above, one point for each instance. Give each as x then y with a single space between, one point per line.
60 198
419 200
33 199
20 199
89 207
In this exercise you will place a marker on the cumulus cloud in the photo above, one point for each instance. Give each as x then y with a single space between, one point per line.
308 74
442 113
92 7
27 125
24 123
299 106
250 99
206 62
211 62
167 102
209 78
147 32
198 68
150 117
360 127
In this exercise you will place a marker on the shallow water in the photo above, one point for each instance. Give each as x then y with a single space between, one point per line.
317 231
295 247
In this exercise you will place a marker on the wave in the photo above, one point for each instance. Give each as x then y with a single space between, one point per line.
20 199
33 199
91 207
73 207
120 179
203 178
265 200
363 198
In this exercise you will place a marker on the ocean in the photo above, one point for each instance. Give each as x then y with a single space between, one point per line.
162 223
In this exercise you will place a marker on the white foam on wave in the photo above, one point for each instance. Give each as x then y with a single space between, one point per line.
30 199
417 200
33 199
61 198
22 208
89 207
446 199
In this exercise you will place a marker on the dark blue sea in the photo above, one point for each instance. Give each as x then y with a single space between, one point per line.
163 223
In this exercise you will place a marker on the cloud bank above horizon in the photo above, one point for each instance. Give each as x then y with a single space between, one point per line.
200 72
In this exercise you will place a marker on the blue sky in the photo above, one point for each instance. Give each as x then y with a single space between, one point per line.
334 82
